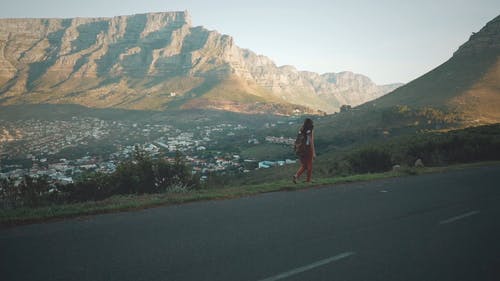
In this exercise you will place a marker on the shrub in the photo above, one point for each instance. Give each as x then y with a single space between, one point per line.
31 191
8 194
370 159
94 187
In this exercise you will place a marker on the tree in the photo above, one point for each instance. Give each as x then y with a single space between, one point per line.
8 194
31 190
345 108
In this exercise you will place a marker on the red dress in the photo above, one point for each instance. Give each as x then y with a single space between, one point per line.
307 159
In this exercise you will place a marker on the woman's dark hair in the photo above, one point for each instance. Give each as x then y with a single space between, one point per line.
308 124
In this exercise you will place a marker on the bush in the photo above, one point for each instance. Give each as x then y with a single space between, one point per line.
453 147
8 194
31 191
94 187
435 149
138 176
370 159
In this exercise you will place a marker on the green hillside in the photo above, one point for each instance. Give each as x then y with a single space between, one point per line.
467 84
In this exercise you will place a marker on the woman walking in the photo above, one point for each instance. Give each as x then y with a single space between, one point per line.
307 152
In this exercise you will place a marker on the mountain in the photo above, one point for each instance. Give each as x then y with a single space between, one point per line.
462 92
468 84
158 61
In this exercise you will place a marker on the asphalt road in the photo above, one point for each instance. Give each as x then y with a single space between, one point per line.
431 227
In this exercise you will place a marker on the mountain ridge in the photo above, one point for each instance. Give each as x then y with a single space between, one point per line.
158 61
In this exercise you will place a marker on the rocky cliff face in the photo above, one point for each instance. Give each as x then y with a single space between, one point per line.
157 61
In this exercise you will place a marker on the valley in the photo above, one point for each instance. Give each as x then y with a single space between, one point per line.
65 150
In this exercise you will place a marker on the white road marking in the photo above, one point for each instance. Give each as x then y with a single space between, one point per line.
454 219
309 267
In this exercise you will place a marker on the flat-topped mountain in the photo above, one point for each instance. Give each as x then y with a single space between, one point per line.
158 61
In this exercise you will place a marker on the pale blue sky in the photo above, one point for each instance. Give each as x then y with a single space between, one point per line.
387 40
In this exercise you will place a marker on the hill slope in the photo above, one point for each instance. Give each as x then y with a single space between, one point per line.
468 83
157 61
462 92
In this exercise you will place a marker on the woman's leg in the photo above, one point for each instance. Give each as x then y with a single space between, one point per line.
300 170
309 167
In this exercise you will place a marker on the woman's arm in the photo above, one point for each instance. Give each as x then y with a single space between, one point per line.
312 145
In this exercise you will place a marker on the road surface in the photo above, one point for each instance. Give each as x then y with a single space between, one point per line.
432 227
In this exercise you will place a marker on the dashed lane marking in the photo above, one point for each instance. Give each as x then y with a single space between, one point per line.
454 219
309 267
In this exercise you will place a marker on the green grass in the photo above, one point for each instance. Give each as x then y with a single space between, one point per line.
138 202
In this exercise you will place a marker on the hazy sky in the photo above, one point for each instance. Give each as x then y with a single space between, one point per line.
389 41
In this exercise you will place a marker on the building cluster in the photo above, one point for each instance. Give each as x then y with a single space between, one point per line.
30 137
62 172
41 143
280 140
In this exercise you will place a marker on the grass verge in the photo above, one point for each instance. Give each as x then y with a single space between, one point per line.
137 202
